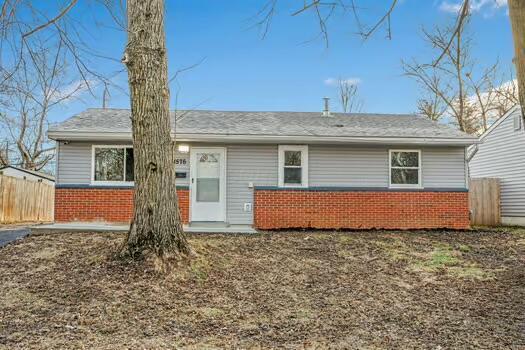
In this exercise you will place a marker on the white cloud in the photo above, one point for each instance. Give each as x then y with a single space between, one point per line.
450 8
335 81
475 5
497 95
72 90
495 101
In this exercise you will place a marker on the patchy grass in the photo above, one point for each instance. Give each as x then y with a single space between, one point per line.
367 289
437 257
464 248
451 262
441 257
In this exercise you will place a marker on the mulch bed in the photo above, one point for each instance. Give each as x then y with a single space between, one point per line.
425 290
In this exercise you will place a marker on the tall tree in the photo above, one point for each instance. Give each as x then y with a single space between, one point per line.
446 78
431 106
471 101
44 60
517 20
35 88
348 96
156 222
492 97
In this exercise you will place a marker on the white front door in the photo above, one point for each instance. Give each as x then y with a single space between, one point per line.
208 189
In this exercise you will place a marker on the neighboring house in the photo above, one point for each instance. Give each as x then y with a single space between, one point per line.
25 174
275 169
502 155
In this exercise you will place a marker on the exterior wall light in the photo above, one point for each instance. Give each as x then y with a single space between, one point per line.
184 148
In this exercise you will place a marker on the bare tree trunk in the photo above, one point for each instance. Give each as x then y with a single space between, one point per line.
156 222
517 20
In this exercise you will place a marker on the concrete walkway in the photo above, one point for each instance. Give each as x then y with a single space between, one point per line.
79 226
12 234
101 227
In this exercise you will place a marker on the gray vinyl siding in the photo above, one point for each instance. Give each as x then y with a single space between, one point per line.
348 166
502 155
248 163
74 163
329 166
442 167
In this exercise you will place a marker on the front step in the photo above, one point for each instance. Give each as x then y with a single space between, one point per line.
218 224
218 227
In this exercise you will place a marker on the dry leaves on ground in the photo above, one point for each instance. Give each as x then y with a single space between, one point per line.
272 290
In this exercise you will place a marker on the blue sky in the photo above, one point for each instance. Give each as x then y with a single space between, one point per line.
241 71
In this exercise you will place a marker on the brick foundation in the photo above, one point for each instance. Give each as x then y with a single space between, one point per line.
279 209
111 204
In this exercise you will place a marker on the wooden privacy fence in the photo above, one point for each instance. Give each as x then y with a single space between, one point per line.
484 200
25 201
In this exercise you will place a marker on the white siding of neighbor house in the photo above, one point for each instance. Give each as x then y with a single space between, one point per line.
329 166
502 155
11 172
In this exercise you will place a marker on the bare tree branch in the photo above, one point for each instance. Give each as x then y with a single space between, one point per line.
182 70
381 21
313 4
432 107
463 15
51 21
41 82
453 91
348 96
267 12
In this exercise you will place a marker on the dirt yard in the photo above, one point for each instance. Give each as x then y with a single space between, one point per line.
374 290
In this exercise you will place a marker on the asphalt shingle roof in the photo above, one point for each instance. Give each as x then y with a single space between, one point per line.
270 123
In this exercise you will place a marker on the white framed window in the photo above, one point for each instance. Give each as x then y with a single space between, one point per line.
112 164
404 168
293 166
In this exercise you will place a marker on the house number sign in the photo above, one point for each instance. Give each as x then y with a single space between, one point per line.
181 161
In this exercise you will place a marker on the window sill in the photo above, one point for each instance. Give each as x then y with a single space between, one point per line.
293 186
113 183
411 187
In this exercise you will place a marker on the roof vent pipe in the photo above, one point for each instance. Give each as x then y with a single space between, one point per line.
326 111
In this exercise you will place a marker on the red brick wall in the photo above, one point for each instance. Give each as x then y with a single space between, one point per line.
276 209
103 204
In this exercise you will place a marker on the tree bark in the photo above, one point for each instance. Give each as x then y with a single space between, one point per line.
517 20
156 224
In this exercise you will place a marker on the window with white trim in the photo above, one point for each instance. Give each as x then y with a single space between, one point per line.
112 164
405 168
293 166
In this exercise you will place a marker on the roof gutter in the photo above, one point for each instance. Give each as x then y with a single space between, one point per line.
88 136
126 136
471 152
